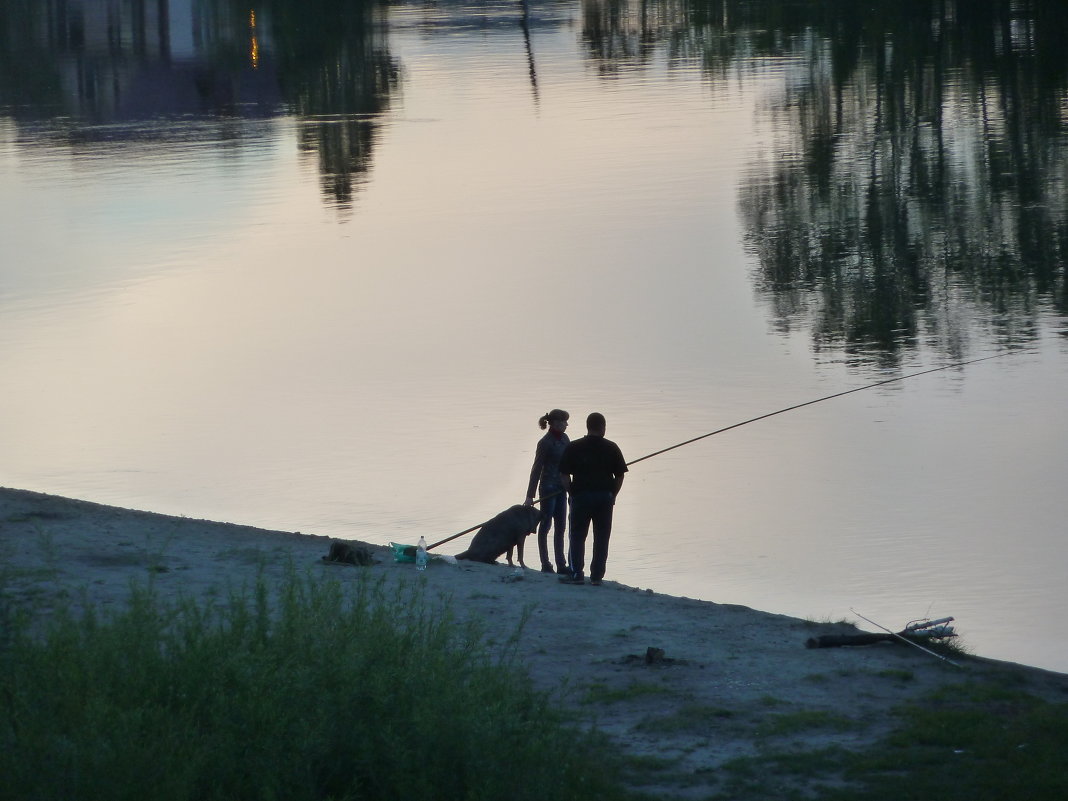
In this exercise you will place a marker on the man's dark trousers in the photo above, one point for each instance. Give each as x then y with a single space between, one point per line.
590 507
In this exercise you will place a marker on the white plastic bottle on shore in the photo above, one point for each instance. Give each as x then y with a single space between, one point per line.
421 555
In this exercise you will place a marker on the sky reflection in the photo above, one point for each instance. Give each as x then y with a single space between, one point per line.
343 311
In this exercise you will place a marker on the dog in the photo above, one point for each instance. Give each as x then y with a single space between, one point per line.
506 531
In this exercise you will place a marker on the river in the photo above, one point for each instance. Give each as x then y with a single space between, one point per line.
322 267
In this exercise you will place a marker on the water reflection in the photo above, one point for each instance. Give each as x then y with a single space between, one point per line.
91 69
619 34
910 193
337 75
524 23
913 194
562 172
106 61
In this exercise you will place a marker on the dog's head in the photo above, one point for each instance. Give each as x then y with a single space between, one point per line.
528 516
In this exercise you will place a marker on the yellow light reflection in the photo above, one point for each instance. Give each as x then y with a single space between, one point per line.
254 44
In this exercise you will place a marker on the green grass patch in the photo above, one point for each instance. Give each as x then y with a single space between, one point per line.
691 718
599 693
313 691
971 742
974 743
782 776
804 720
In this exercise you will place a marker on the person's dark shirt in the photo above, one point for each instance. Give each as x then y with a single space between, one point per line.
546 469
593 463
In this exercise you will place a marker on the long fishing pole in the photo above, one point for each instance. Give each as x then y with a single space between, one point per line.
818 400
764 417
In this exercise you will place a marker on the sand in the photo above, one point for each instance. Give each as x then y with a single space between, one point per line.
731 669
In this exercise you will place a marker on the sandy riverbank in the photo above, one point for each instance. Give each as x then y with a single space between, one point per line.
749 665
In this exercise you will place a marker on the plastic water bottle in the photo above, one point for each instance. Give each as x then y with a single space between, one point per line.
421 556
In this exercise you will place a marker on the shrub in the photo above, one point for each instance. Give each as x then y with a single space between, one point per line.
313 691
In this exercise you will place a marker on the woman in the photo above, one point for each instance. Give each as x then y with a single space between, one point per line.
546 470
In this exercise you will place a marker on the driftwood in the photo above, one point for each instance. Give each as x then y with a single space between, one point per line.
839 640
913 633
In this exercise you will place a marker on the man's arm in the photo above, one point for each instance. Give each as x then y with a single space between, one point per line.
566 467
620 471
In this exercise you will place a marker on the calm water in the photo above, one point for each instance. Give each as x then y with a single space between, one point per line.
324 271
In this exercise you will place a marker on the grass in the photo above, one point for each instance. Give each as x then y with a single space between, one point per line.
984 740
696 719
801 721
313 691
980 742
970 742
599 693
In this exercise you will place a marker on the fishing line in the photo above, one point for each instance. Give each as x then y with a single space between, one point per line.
765 417
818 400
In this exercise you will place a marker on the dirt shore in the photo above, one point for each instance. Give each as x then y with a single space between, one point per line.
727 673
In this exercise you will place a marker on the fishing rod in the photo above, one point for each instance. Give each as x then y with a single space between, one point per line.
818 400
905 639
763 417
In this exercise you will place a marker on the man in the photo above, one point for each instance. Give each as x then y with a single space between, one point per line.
592 470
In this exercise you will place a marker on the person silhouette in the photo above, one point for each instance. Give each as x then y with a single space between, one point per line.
546 473
593 469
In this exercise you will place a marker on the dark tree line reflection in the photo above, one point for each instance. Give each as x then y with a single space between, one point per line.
69 64
619 34
918 187
913 192
337 75
912 189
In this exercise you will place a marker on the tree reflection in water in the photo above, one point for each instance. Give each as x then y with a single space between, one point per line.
337 75
912 193
917 170
66 65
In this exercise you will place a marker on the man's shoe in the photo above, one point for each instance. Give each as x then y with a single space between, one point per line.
595 582
547 568
569 579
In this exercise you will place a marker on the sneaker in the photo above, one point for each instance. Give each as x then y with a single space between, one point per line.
595 582
569 579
